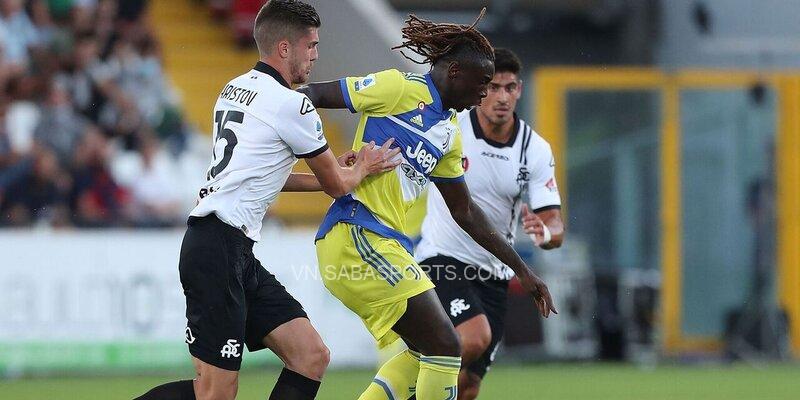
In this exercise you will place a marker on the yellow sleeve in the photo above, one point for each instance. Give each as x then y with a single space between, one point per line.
449 167
375 94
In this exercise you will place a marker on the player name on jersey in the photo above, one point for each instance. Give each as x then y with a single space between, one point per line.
238 95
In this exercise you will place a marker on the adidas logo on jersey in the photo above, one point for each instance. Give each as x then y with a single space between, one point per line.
417 119
410 76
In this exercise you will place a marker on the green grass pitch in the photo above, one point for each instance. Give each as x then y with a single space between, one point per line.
541 382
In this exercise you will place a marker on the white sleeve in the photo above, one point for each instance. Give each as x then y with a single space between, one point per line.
542 187
300 126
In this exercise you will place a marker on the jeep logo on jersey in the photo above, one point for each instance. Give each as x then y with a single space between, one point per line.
424 159
306 107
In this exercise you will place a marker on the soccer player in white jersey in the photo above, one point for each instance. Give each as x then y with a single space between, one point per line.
261 128
508 168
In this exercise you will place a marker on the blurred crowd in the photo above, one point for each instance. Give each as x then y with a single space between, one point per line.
239 15
90 131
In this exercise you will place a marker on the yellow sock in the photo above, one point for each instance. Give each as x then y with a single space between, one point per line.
396 379
438 378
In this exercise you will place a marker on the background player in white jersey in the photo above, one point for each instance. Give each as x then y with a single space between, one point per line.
504 160
261 128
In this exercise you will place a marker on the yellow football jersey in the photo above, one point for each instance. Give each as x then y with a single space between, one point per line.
406 107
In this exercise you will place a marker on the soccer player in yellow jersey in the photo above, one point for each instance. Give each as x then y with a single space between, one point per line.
364 255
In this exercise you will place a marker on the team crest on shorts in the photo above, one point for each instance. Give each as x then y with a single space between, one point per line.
230 349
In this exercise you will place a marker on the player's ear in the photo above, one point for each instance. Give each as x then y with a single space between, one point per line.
519 89
283 48
453 69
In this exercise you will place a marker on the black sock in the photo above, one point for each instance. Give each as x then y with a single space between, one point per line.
293 386
180 390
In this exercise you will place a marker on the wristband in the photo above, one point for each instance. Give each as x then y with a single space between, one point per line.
546 236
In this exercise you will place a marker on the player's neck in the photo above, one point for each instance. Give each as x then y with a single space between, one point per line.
499 133
279 65
441 83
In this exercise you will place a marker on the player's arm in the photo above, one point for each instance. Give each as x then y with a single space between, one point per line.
301 130
338 181
471 219
376 93
324 94
303 182
536 221
544 224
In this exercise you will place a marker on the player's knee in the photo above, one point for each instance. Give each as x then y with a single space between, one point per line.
311 362
469 388
216 389
448 343
469 392
322 357
476 343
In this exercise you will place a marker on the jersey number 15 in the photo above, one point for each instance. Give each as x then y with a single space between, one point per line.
221 118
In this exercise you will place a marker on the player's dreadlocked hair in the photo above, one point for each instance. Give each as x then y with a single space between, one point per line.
437 41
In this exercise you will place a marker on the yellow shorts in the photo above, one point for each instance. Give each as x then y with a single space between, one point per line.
372 275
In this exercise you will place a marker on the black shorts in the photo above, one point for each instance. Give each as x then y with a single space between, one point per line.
230 298
466 293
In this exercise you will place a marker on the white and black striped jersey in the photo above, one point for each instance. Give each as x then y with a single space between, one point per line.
499 176
261 128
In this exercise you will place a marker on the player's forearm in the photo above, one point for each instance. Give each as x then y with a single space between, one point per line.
346 179
552 219
557 237
472 220
350 177
300 182
324 94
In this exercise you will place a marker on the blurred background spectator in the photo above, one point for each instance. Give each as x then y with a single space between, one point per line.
89 127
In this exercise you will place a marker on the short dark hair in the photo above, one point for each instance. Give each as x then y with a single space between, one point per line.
283 19
506 61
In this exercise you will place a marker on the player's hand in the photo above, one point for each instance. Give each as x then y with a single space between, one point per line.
541 295
347 159
376 160
533 225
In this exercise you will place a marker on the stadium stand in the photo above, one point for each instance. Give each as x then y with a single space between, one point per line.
90 131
